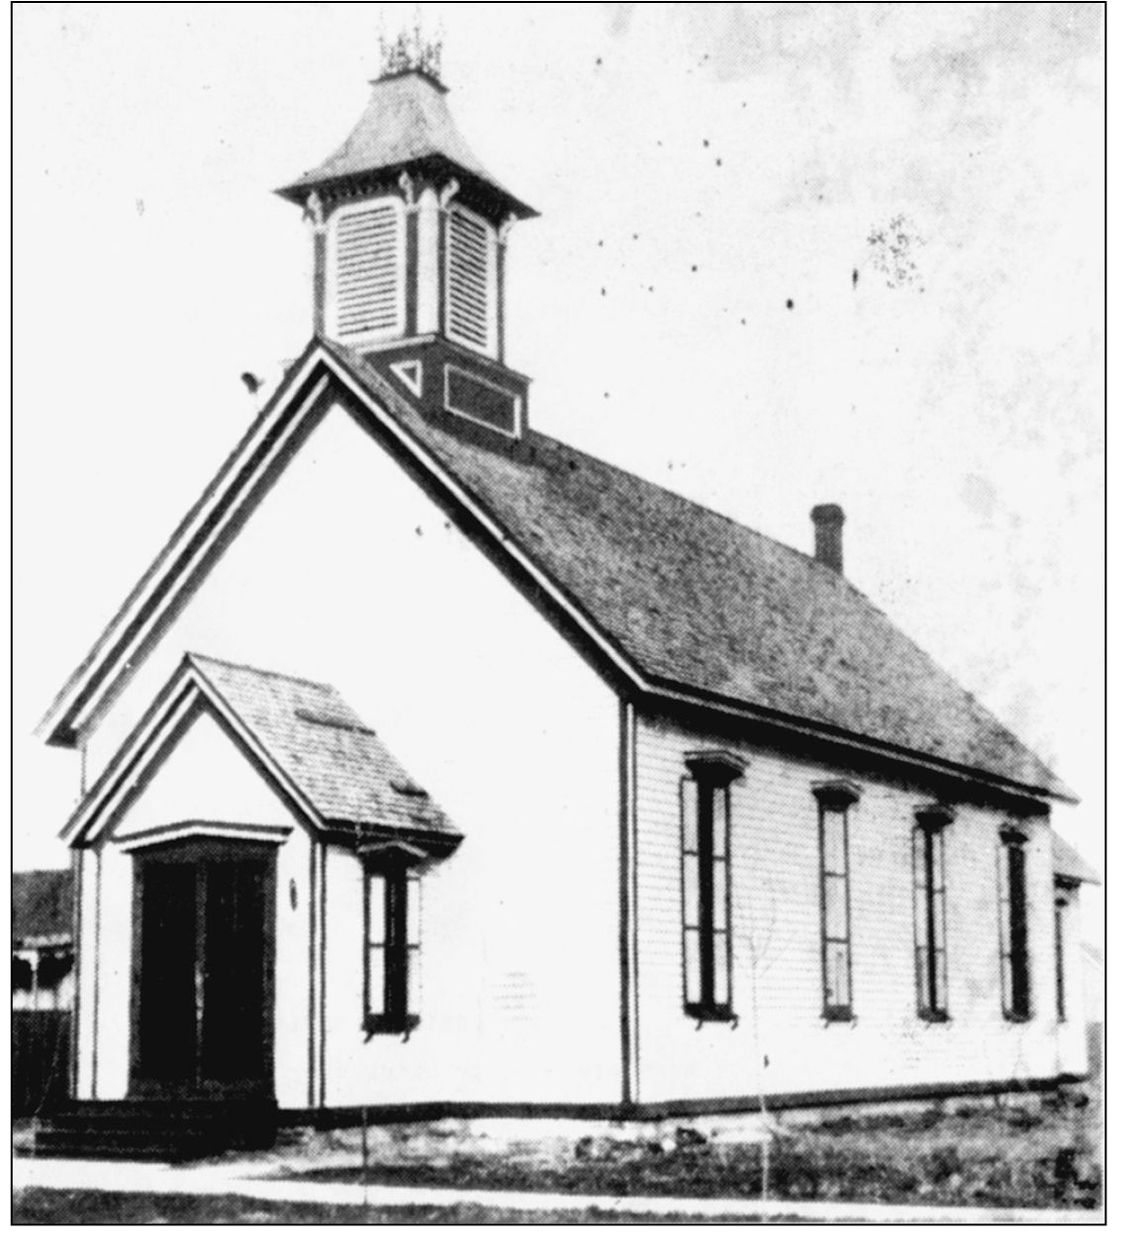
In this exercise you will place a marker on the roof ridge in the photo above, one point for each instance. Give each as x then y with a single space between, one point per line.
197 656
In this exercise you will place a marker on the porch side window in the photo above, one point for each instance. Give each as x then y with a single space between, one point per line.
1015 969
392 950
835 801
707 939
930 957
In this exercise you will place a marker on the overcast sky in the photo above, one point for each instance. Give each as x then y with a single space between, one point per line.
787 254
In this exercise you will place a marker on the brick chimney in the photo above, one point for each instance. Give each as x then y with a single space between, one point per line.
828 521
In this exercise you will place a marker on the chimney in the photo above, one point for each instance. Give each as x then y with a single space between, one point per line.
828 520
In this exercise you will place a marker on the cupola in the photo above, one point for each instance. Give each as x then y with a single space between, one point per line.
409 233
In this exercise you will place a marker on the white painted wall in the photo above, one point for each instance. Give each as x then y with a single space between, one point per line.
1072 1050
776 923
349 574
207 773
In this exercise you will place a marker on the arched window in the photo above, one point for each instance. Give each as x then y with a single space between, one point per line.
1015 966
707 928
929 913
835 800
392 948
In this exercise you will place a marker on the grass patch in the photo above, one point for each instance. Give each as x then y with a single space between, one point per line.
92 1207
1041 1156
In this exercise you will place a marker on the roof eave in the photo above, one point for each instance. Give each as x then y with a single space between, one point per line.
676 692
297 192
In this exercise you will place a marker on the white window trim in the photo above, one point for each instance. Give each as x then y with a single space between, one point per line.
490 350
359 340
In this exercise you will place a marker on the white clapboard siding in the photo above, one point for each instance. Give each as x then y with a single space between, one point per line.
469 300
368 271
776 924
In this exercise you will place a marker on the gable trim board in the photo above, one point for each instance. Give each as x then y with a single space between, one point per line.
165 834
184 696
323 372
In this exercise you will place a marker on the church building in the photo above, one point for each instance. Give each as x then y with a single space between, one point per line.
437 767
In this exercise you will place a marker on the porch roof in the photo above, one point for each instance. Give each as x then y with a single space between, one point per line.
1069 864
324 749
304 740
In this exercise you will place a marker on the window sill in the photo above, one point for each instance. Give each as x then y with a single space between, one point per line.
382 1024
933 1015
710 1013
838 1015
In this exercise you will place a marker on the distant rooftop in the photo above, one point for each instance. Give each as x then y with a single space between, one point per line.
41 907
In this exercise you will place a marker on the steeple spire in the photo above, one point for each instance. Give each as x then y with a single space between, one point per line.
409 246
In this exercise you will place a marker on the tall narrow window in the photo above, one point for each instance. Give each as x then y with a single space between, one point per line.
1014 962
392 945
368 270
707 940
1062 903
930 957
835 801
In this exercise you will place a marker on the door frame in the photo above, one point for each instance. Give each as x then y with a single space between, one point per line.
193 849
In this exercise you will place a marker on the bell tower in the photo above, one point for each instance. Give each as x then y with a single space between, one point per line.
409 233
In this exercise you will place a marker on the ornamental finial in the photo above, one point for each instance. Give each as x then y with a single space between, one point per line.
411 52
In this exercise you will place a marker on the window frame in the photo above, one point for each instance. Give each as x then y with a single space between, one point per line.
332 275
931 985
710 774
1014 933
835 798
391 1013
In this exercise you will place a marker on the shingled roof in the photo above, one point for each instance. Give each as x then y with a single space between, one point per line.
1069 864
337 762
406 123
307 741
698 601
41 907
683 600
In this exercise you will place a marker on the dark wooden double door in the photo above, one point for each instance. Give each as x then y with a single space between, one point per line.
203 973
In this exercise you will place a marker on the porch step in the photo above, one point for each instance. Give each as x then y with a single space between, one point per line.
151 1129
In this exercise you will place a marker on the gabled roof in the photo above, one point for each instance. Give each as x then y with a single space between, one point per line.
698 601
42 906
1069 864
406 122
685 603
324 748
306 740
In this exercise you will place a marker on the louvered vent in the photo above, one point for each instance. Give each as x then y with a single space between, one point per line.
369 266
468 282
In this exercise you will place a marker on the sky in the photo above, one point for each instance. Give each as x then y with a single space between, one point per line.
788 254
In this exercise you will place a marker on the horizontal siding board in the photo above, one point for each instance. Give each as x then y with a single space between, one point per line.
776 924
